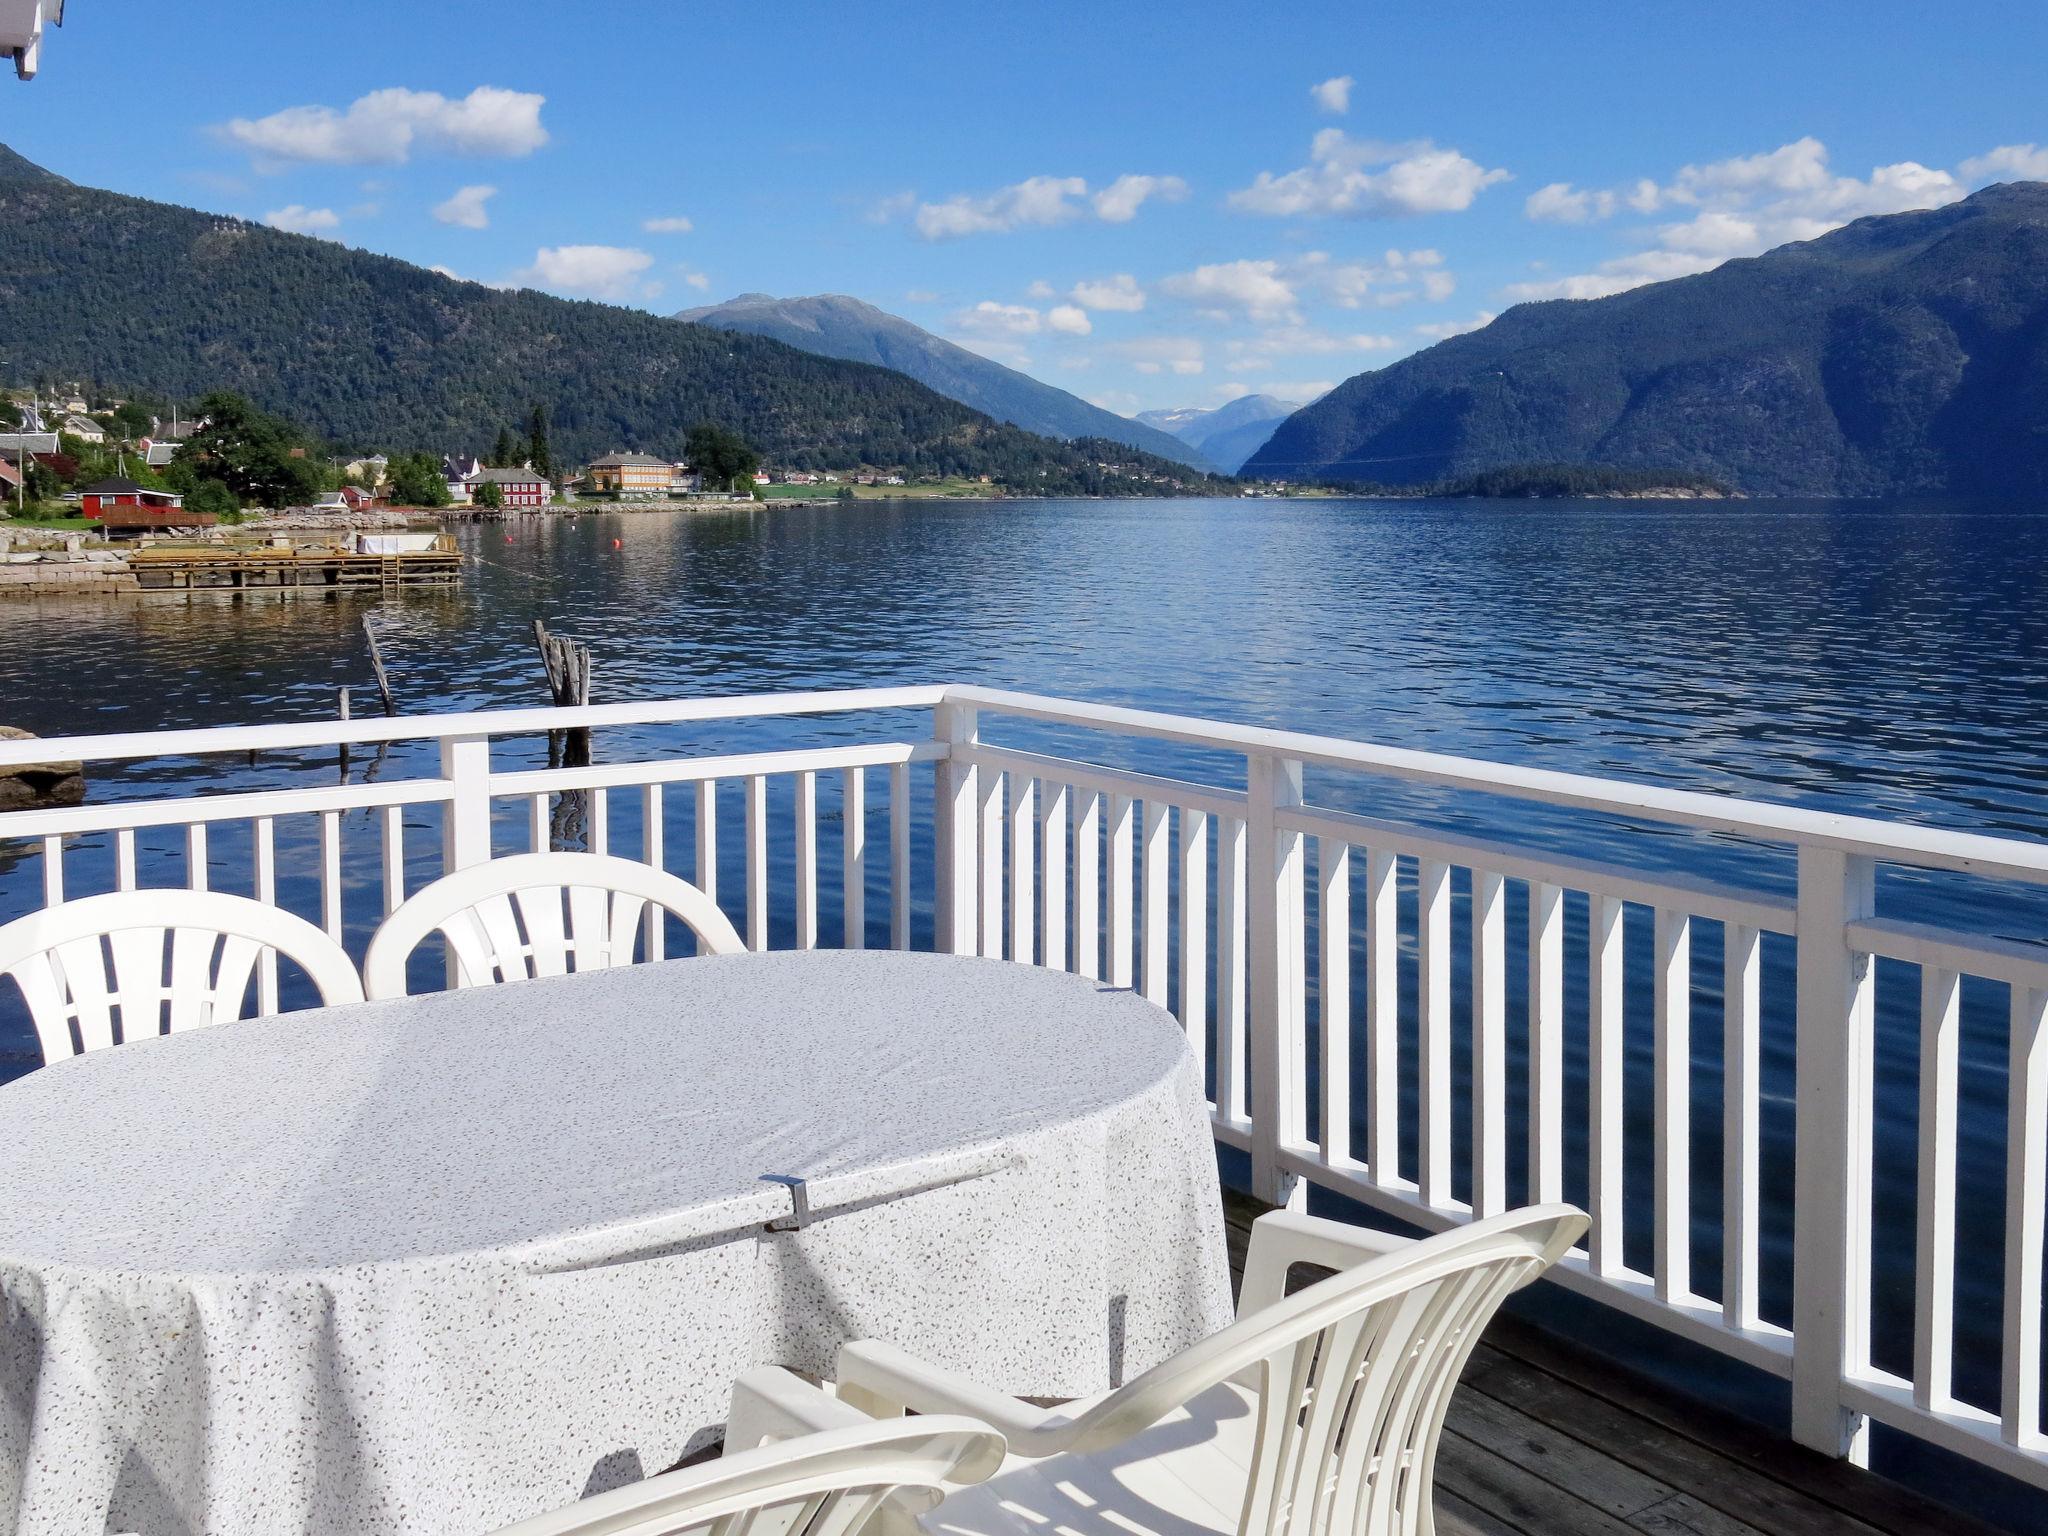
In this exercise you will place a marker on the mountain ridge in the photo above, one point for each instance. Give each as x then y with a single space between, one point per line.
371 351
1901 353
838 325
1227 434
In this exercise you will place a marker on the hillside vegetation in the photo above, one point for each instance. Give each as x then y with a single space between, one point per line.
371 352
1906 353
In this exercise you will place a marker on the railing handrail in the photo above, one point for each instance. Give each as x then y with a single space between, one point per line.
1891 841
475 722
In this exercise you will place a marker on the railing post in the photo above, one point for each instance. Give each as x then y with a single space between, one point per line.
956 833
1278 1012
466 823
1831 1210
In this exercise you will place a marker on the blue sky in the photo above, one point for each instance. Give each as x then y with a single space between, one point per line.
1149 206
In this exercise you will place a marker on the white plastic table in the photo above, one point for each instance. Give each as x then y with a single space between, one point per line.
433 1264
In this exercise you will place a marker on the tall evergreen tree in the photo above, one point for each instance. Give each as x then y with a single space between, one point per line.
506 453
537 443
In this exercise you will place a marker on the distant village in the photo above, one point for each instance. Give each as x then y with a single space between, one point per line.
114 467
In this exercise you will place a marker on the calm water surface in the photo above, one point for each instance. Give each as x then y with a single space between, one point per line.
1886 659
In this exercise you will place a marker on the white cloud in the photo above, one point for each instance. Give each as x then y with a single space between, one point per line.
1741 206
1278 341
988 318
1182 355
1120 293
1120 401
1333 95
921 296
590 271
1562 203
385 127
466 209
298 219
675 225
1119 202
1440 329
1363 178
694 278
1040 289
2018 162
1267 290
1035 201
1298 389
886 210
1068 319
1256 289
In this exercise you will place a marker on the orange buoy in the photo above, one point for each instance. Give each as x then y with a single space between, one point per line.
618 543
508 538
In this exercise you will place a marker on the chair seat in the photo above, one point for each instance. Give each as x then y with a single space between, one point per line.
1184 1476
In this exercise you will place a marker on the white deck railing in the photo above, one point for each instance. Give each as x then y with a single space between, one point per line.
1255 914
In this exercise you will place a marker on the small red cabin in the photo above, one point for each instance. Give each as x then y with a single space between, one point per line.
104 495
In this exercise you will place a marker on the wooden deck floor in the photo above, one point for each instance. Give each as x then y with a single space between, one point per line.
1547 1439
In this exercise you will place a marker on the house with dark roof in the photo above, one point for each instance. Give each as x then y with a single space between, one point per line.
521 487
104 495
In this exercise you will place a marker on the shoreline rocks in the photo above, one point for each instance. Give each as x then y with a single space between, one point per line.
38 784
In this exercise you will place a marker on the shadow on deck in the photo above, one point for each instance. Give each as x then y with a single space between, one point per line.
1546 1438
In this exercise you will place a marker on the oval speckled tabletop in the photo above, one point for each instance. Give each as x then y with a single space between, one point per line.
436 1263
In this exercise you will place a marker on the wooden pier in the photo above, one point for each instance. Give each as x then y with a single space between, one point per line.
194 569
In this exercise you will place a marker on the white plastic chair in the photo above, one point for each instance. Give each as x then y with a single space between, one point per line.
504 919
80 963
843 1474
1316 1414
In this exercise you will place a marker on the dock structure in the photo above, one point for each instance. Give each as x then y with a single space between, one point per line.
193 569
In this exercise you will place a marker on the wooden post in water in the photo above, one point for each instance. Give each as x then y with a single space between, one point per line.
377 666
567 664
342 712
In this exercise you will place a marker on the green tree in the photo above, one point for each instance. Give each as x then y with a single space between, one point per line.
132 418
251 453
537 443
720 456
506 452
491 495
212 496
416 481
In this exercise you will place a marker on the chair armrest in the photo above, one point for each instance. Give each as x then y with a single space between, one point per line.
770 1403
883 1381
1282 1239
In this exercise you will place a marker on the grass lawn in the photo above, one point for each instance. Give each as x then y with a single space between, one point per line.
50 524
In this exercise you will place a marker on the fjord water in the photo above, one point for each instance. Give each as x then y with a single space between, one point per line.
1884 659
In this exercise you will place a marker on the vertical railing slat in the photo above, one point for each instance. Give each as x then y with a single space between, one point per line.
196 874
707 840
124 859
1546 1042
2026 1195
1934 1268
1278 988
597 833
392 850
1741 1134
1088 885
1152 945
652 853
853 857
1122 843
1489 1044
330 874
757 861
1383 1016
265 839
1433 962
1232 1101
53 871
1604 1081
899 856
989 822
1052 876
1671 1006
1333 977
1024 871
806 859
1194 933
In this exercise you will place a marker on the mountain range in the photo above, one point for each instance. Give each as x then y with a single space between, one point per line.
1227 435
1900 354
368 351
833 325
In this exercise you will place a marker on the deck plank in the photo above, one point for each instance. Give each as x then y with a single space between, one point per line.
1548 1438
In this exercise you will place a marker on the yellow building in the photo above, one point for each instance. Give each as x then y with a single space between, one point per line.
627 475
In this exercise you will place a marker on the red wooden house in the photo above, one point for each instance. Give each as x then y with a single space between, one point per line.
103 495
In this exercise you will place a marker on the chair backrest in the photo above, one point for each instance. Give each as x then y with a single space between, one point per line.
827 1484
87 966
539 914
1353 1376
